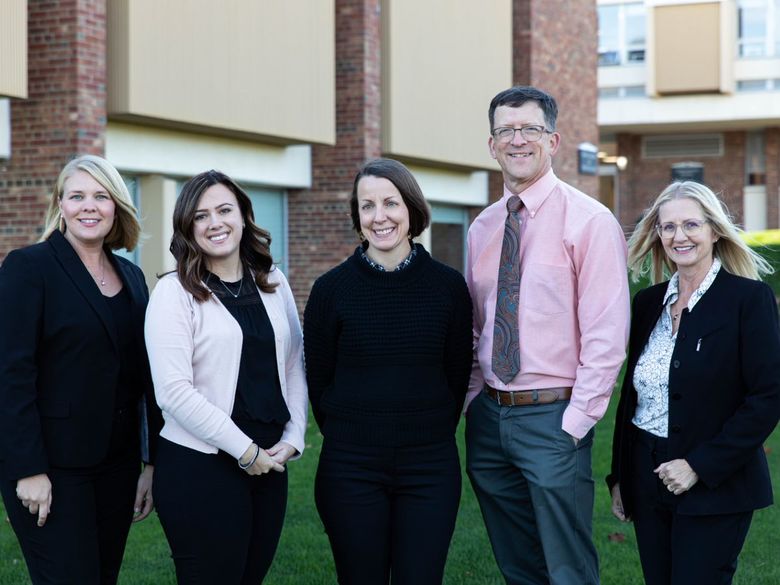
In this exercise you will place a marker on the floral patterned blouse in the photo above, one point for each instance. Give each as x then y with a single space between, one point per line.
651 375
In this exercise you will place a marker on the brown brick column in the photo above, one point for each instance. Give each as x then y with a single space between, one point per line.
64 115
555 49
320 232
772 149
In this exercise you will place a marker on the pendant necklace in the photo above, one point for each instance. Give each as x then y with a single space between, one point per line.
230 292
102 279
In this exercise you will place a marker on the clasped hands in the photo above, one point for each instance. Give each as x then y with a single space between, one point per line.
267 460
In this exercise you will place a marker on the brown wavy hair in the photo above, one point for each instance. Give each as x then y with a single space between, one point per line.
191 267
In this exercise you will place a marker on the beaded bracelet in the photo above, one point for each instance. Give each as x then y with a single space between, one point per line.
246 466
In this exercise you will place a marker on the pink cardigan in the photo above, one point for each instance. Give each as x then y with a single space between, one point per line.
194 352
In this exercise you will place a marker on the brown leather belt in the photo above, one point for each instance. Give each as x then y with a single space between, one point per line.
527 397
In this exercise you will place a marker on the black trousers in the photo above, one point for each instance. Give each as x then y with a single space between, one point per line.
83 540
389 512
677 549
223 525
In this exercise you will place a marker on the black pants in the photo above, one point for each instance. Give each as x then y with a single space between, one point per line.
223 525
677 549
83 540
389 512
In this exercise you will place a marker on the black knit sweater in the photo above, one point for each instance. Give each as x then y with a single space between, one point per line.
388 354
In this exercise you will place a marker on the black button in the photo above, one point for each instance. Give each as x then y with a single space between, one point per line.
676 363
676 396
676 428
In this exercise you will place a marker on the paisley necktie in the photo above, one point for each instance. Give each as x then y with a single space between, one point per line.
506 338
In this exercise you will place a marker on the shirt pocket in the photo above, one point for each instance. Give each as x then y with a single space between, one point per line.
546 289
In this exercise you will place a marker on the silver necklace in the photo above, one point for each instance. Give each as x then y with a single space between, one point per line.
230 292
102 279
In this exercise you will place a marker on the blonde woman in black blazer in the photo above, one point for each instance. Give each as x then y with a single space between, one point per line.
74 383
701 392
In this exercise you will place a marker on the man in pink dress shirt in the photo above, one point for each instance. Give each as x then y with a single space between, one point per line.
529 437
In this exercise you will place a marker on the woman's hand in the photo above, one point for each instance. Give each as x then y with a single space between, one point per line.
263 463
281 452
35 493
143 494
617 504
677 475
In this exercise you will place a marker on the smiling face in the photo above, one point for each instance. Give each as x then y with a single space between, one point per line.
384 220
691 254
218 225
522 163
88 211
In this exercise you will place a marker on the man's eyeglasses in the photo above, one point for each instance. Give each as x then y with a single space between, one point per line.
690 227
529 133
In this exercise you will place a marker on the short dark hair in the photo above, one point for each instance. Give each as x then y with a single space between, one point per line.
404 181
254 249
514 97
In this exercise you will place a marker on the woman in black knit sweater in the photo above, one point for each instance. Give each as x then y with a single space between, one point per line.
387 337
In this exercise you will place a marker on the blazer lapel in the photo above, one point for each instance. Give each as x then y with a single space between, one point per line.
129 280
647 319
78 273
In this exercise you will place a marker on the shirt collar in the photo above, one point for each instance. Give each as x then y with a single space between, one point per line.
404 263
534 196
672 291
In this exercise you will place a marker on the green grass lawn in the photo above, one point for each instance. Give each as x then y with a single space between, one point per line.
304 555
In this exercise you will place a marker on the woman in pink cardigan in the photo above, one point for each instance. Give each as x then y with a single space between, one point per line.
226 354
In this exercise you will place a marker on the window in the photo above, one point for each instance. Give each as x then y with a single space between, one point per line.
758 24
755 158
5 128
621 34
270 209
758 85
754 85
621 92
449 226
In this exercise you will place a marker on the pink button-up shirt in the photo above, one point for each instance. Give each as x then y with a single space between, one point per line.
574 300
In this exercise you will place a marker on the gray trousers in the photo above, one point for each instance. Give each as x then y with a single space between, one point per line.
535 491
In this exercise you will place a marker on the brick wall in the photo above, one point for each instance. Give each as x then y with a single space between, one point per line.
320 232
772 149
64 115
644 179
555 49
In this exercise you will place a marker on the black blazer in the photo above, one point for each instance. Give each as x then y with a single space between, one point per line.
724 394
59 361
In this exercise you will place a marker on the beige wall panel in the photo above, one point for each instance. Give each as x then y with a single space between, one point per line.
13 48
262 68
443 61
687 48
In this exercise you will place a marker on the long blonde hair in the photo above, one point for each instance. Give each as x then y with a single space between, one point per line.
126 229
646 252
